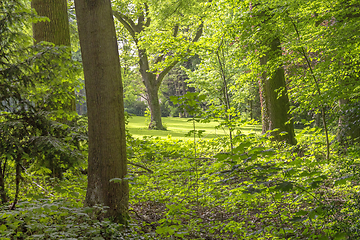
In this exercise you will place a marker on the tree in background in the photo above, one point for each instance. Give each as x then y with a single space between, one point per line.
274 99
169 38
104 93
257 35
54 28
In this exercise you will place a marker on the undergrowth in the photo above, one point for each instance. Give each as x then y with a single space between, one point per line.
262 190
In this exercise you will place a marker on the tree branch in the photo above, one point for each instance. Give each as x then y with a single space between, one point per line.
176 30
148 20
140 166
199 32
126 22
168 68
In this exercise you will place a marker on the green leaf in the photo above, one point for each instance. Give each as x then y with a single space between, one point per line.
284 186
340 236
221 156
3 228
343 180
116 180
301 213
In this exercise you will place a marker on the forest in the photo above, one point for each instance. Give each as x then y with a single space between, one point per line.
179 119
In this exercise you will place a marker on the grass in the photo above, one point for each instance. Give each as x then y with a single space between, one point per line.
178 127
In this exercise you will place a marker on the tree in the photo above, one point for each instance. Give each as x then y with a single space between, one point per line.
258 35
104 93
137 20
274 98
54 29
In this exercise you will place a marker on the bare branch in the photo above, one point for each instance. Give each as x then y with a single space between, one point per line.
140 166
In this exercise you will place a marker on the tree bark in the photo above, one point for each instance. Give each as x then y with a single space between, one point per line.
152 89
104 93
275 103
56 30
3 196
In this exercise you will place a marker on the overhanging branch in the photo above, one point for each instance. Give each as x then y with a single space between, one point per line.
126 22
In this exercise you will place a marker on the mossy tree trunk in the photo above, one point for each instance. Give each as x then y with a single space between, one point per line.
274 98
104 93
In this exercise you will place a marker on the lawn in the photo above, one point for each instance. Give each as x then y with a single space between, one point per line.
178 127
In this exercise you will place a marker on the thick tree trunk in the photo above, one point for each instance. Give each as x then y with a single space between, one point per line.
274 99
104 92
56 30
155 109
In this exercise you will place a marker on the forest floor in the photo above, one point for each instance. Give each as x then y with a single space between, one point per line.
181 188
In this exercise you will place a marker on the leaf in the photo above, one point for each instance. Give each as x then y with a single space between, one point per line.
3 228
241 147
298 219
116 180
221 156
342 180
340 236
301 213
284 186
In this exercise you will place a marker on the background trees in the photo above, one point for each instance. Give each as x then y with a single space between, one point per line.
145 26
31 88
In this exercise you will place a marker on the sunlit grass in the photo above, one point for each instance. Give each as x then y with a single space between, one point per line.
178 127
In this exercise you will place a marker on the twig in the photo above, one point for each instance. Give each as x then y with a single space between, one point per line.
47 192
140 166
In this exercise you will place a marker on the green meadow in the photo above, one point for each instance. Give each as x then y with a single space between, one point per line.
178 127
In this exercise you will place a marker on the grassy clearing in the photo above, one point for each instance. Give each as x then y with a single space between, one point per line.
178 127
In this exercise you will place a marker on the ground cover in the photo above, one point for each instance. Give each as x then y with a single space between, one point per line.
178 127
181 189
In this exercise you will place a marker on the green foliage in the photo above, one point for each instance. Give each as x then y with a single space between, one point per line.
199 189
45 219
37 131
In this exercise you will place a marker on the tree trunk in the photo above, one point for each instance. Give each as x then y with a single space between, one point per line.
56 30
104 92
348 125
152 90
275 107
3 196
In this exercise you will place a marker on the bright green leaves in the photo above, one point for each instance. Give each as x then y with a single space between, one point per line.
189 102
